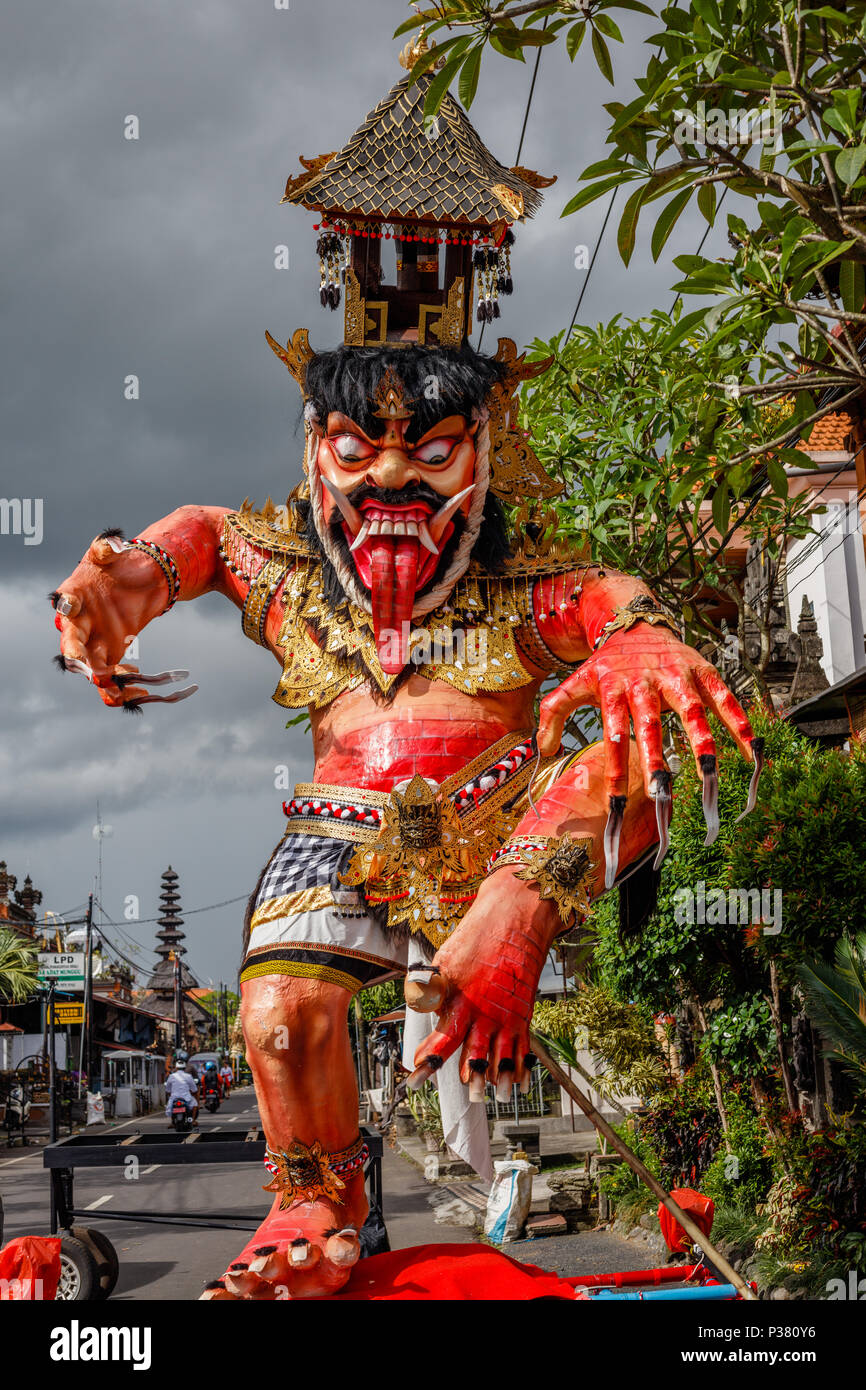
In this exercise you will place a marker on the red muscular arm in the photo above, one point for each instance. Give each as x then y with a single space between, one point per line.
632 669
115 591
570 610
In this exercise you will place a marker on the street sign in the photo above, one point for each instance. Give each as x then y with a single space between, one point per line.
65 968
67 1012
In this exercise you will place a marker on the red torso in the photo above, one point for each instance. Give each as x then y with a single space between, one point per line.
430 728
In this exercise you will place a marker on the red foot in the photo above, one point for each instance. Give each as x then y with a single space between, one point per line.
304 1252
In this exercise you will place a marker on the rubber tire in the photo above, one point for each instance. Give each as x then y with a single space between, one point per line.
104 1256
76 1253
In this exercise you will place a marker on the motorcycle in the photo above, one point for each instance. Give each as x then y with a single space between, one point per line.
181 1116
212 1100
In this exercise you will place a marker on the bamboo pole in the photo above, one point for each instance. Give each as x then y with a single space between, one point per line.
652 1182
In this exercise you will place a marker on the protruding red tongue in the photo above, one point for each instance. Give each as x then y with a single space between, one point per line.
394 574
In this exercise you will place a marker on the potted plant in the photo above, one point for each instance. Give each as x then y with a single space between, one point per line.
427 1112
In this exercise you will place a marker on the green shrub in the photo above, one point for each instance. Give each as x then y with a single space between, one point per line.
741 1173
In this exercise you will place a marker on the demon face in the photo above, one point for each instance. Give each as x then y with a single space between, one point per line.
400 498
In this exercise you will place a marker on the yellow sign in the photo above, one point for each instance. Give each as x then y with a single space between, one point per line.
66 1013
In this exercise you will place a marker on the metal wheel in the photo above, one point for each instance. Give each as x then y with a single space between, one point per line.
78 1275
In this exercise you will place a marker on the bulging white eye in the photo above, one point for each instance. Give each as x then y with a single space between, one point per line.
435 451
350 448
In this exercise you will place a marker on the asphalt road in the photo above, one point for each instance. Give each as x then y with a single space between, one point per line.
163 1262
156 1261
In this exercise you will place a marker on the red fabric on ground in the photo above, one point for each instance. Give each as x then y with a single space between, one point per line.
465 1273
30 1268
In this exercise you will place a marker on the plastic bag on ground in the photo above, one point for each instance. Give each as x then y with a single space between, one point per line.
510 1200
95 1108
30 1268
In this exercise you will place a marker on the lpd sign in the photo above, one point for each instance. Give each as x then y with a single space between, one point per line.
67 1013
65 968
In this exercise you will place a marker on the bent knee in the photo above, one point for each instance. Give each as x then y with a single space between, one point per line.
281 1014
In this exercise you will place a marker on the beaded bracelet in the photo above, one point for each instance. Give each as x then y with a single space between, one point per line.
166 564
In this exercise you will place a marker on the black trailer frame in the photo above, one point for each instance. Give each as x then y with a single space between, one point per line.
112 1150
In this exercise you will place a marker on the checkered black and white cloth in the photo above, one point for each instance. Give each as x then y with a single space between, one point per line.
304 861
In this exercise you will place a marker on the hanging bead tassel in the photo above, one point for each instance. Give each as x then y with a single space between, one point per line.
330 249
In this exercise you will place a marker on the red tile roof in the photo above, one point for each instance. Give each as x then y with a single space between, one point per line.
831 433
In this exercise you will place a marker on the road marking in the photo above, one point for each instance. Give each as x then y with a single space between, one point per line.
100 1202
152 1169
7 1162
213 1129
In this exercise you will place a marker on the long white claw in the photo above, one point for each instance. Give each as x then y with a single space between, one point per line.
710 797
661 791
361 536
426 539
758 755
176 696
351 514
612 833
80 668
445 513
477 1090
161 678
173 699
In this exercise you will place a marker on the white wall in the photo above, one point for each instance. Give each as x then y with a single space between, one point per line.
831 572
26 1044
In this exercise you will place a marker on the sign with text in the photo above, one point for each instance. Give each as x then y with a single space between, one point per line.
67 1012
66 968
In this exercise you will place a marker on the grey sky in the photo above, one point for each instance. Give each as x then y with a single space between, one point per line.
156 257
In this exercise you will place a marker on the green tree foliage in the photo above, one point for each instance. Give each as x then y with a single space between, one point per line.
18 967
381 999
660 462
836 1000
764 98
620 1036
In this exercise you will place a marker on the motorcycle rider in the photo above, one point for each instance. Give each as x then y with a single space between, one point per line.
211 1081
182 1085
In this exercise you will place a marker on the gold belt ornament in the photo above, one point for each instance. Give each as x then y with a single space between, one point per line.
427 863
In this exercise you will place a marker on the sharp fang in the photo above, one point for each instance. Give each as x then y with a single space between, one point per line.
386 527
362 535
444 514
351 515
426 539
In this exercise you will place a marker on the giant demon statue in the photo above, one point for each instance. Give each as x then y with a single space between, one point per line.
446 833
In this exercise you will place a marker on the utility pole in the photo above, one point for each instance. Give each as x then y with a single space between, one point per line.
52 1095
87 1026
225 1013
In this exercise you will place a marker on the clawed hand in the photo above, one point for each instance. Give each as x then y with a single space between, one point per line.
632 678
110 597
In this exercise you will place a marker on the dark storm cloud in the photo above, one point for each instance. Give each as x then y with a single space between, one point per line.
156 257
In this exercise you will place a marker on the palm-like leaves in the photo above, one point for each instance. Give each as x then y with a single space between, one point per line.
836 999
18 972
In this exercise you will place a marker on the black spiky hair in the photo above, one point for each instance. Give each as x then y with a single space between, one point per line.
438 382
